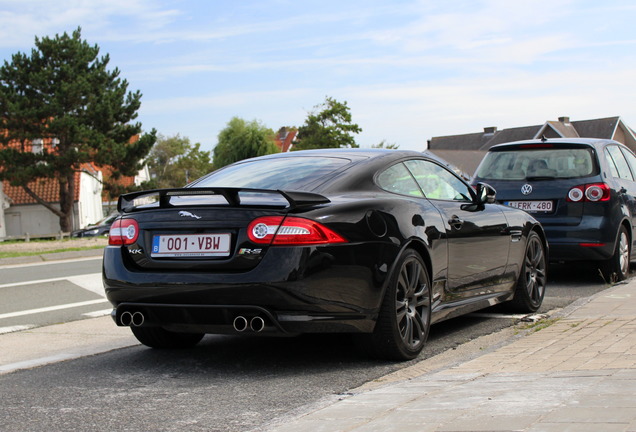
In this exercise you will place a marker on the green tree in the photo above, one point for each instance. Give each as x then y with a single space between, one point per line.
60 107
242 140
384 145
328 126
174 162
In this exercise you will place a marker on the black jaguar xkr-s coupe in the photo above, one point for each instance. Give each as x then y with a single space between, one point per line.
379 243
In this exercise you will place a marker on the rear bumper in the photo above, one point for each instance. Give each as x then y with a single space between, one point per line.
575 252
341 294
233 319
592 240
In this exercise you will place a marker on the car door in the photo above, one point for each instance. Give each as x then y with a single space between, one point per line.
478 239
623 168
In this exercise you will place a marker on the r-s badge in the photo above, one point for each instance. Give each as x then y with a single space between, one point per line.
250 252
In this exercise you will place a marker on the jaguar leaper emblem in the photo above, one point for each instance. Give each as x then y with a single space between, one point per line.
188 214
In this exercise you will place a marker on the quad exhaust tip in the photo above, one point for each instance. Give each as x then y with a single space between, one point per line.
132 319
256 324
240 323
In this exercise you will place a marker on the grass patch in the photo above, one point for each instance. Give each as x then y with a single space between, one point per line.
42 252
539 325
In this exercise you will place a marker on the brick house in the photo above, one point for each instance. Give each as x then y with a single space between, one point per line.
25 215
21 214
285 138
466 151
4 203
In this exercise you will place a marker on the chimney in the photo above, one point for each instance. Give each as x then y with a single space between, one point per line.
490 130
564 120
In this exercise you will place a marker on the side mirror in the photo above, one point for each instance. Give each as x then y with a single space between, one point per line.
485 194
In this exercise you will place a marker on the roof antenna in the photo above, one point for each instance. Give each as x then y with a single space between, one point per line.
543 138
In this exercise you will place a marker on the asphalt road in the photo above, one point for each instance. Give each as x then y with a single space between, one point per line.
224 384
39 294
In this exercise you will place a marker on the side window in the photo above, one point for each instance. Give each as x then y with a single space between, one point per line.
631 160
612 165
620 164
398 179
437 182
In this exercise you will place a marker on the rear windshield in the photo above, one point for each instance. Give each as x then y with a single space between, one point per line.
543 163
290 173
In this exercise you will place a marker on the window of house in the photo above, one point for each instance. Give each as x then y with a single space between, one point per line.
37 146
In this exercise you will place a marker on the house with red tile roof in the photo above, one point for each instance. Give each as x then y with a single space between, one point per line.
285 138
109 203
24 215
3 204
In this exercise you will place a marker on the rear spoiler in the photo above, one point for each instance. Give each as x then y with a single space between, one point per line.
235 197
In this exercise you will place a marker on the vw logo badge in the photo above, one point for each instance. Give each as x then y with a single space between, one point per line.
526 189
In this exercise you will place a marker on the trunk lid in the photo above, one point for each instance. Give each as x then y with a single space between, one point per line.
203 229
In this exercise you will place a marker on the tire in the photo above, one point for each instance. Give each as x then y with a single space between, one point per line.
616 268
405 316
157 337
530 288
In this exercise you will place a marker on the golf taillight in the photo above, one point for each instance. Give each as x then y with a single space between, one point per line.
291 231
123 232
593 192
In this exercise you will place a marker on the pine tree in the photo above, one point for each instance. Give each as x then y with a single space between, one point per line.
60 107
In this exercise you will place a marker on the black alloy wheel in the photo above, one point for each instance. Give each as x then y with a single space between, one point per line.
157 337
532 280
405 316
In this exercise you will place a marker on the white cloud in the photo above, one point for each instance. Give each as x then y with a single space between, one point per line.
409 70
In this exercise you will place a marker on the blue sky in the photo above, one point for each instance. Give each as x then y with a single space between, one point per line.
409 70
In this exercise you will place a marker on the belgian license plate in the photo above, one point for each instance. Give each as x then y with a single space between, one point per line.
531 206
191 245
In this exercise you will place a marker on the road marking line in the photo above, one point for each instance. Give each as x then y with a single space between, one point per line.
51 308
16 328
69 278
97 314
91 282
34 282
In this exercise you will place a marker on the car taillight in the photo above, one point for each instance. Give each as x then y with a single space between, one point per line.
123 232
290 231
593 192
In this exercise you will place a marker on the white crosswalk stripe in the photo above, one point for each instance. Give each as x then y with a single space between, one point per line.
50 308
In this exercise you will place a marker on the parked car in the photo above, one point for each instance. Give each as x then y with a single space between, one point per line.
382 243
99 228
581 190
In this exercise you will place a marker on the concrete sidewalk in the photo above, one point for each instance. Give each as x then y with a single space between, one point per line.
50 344
575 372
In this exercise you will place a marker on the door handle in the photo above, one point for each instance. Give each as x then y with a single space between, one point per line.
455 222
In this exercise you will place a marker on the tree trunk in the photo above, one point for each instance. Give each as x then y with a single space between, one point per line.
67 196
